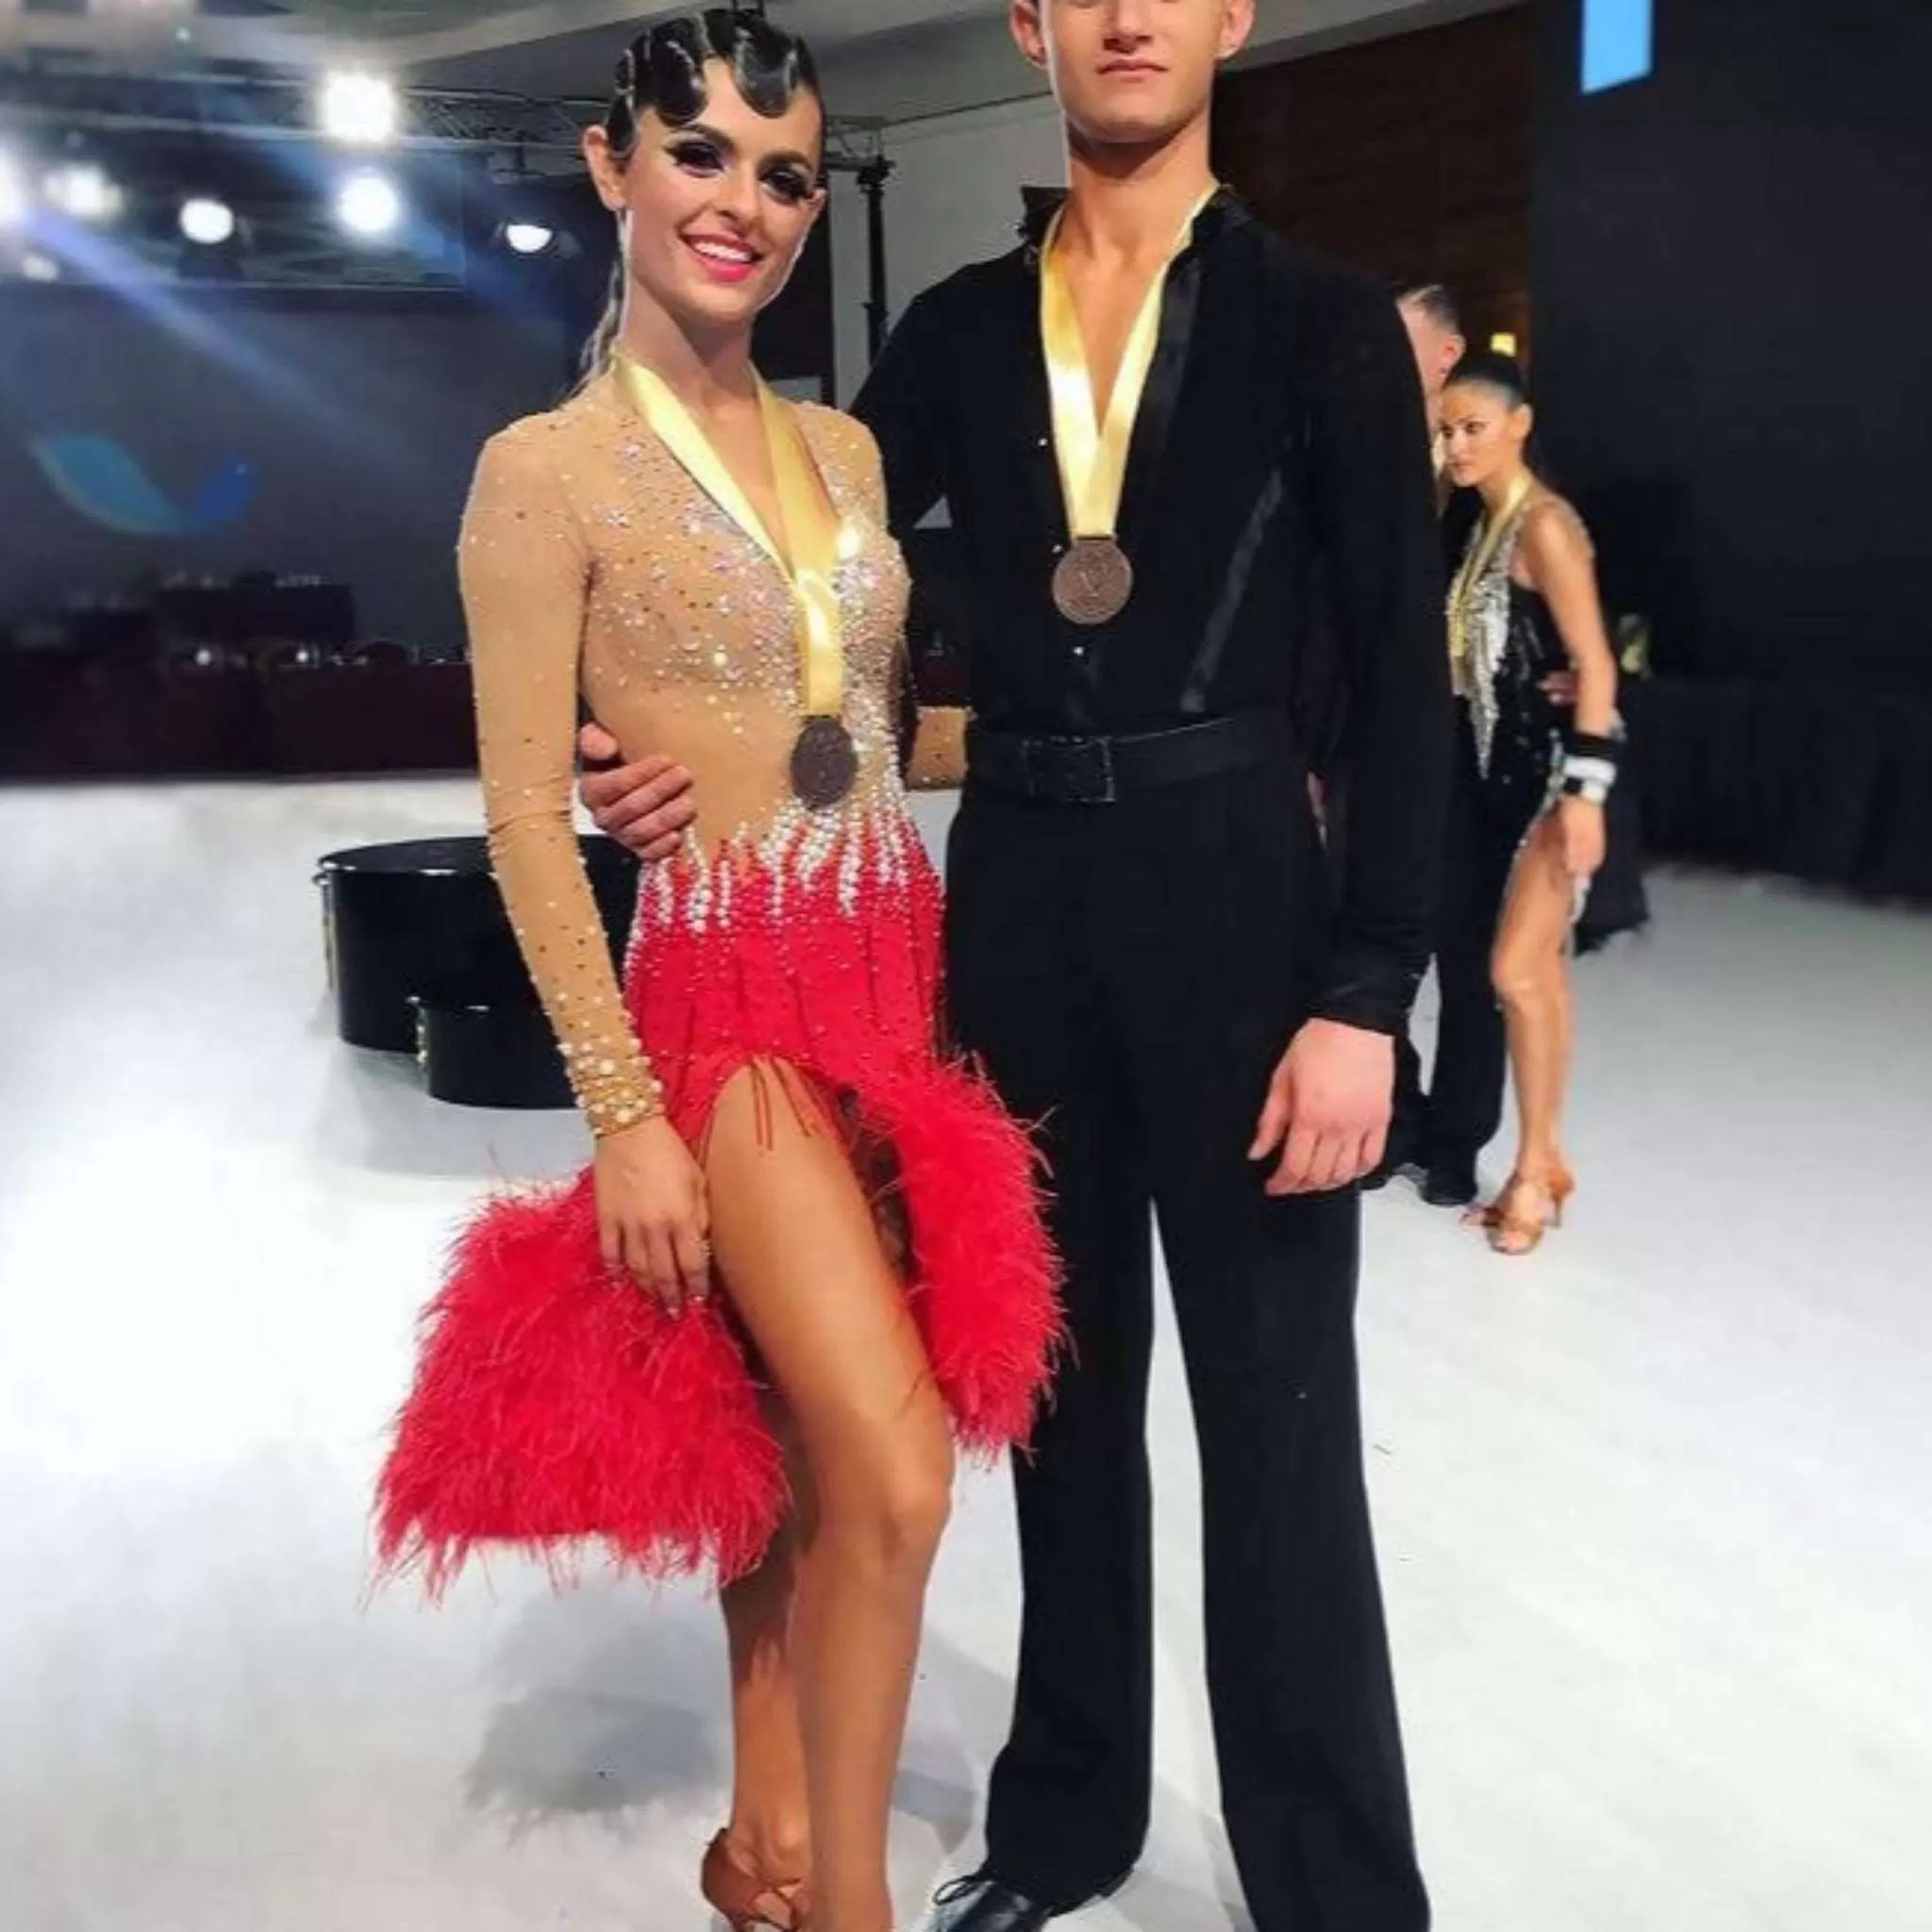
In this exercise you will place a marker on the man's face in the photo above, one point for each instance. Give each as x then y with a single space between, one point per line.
1131 72
1437 350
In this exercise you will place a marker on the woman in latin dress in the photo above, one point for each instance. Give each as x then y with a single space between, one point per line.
1524 611
807 1260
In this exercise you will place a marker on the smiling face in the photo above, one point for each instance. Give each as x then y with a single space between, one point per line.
1484 433
715 209
1131 72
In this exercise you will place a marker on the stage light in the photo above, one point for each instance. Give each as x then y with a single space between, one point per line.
368 205
37 267
84 191
16 202
208 221
1502 342
360 109
529 238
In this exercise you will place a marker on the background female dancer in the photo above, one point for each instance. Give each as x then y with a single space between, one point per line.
1523 607
711 569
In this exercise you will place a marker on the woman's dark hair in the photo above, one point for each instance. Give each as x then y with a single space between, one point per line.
1503 373
663 72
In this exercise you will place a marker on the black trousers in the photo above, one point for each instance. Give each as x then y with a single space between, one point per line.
1129 975
1463 1108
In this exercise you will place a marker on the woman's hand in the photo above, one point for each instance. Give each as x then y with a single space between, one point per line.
653 1219
1582 825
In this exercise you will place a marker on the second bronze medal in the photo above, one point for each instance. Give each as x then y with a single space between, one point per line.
1093 582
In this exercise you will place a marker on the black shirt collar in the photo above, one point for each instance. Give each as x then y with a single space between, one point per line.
1225 209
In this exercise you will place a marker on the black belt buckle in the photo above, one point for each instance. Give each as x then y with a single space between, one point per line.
1072 771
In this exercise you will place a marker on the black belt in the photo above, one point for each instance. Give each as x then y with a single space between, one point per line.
1100 771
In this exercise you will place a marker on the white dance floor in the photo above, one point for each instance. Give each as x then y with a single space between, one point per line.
1656 1506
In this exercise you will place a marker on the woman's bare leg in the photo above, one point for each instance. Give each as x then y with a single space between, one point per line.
1532 981
771 1816
796 1242
1566 1039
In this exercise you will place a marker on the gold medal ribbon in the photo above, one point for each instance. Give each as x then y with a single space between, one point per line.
1481 554
1093 455
816 549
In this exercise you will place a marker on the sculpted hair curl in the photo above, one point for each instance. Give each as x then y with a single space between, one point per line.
663 72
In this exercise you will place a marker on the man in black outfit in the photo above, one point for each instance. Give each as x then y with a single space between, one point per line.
1144 951
1443 1131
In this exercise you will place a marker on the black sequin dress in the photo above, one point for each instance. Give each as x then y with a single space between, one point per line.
1515 729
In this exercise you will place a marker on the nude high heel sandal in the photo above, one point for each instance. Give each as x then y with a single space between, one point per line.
1516 1229
747 1899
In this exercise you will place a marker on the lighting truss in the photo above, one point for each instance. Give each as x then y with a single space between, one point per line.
256 107
74 96
47 101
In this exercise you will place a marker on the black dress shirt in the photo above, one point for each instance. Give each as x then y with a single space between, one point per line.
1280 445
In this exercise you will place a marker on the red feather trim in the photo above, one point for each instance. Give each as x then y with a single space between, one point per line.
556 1407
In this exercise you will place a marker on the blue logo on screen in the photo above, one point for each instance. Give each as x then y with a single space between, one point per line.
97 477
1616 35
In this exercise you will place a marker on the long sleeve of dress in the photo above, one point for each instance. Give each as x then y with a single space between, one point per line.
1382 561
524 570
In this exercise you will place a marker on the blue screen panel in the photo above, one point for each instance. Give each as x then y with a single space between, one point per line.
1616 37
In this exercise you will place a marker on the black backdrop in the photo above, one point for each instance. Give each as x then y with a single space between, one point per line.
1731 286
1731 290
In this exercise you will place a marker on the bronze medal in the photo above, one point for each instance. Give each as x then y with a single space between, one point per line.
1093 581
825 763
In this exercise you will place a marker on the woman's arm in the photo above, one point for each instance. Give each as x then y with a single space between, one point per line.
1555 557
524 570
1559 562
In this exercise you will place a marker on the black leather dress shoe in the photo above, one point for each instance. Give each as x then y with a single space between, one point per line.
1449 1183
1399 1157
982 1904
1378 1177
